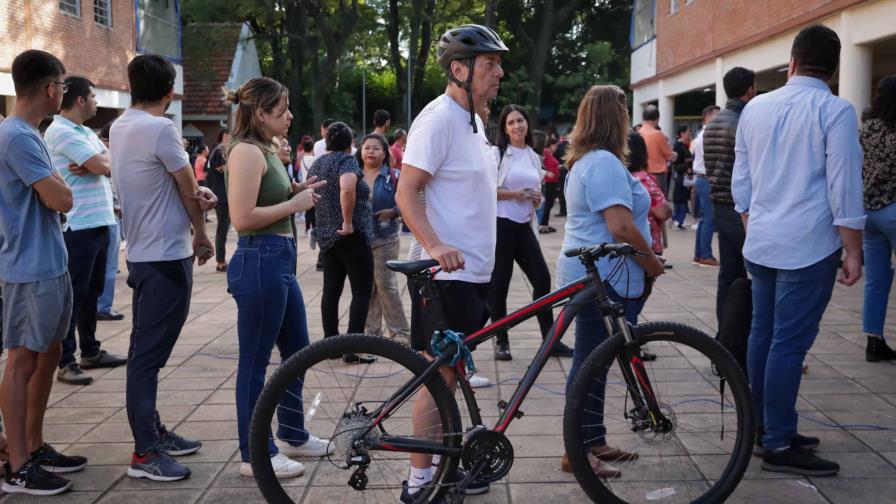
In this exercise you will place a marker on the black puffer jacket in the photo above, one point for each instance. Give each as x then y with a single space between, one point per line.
718 150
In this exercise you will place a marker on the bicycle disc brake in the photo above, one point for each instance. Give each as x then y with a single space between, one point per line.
492 447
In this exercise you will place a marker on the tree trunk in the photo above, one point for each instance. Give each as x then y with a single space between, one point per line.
422 55
393 22
297 30
491 13
550 21
345 20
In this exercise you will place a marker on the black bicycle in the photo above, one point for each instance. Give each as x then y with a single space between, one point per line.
684 433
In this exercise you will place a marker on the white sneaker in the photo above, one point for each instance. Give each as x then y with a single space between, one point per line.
477 381
284 467
314 447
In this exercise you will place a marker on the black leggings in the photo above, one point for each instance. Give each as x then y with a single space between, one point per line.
349 256
550 192
517 242
223 214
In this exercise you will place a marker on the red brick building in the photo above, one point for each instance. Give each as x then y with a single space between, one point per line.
93 38
682 47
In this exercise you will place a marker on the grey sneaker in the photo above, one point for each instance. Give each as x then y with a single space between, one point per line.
157 466
103 360
177 445
72 374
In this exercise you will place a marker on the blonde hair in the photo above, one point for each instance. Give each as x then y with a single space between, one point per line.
601 123
258 93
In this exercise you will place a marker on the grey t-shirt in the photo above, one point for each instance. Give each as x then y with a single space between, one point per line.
145 150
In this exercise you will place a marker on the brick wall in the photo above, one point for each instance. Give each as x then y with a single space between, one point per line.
86 48
704 26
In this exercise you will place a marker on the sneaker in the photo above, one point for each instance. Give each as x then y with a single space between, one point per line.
795 461
157 466
477 381
561 350
177 445
314 447
52 461
109 315
32 480
103 360
502 351
710 262
284 467
73 375
408 498
799 442
877 350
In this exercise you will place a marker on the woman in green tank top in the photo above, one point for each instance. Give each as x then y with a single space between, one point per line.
261 273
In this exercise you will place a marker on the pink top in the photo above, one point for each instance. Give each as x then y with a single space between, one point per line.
656 199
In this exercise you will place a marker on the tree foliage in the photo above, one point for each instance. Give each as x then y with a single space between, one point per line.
325 50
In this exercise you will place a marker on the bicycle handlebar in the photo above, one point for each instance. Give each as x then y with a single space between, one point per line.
605 249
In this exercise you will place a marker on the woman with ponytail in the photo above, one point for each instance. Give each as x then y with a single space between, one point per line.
261 274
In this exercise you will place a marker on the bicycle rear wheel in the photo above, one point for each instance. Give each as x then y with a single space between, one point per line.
340 402
700 455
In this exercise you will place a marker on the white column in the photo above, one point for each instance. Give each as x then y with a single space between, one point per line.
721 97
637 105
855 67
667 112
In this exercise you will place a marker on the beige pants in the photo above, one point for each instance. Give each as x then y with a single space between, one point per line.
386 298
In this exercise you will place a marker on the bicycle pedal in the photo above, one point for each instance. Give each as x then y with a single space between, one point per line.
502 405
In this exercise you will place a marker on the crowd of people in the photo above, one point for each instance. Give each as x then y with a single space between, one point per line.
778 177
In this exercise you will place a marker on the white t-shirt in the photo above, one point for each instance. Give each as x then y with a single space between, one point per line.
145 150
523 171
697 151
461 201
320 147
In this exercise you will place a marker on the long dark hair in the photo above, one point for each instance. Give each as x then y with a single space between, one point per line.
387 160
502 140
884 107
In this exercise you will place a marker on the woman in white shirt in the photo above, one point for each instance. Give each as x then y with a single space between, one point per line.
519 183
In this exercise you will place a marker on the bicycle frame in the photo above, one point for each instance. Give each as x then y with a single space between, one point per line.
588 289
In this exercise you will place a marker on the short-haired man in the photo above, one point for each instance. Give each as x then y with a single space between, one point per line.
160 200
797 182
703 241
448 158
396 150
681 194
37 291
718 155
320 146
83 161
214 179
382 121
659 152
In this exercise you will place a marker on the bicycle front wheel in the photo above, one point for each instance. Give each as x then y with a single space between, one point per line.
314 392
698 449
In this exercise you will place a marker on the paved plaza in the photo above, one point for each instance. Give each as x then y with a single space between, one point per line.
196 399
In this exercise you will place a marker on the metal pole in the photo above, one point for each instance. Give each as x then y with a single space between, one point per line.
410 59
364 101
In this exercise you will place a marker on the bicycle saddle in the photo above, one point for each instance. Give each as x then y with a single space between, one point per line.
411 267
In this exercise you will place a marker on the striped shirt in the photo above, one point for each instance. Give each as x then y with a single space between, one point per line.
70 143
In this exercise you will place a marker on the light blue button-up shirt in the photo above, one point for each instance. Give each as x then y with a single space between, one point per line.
798 172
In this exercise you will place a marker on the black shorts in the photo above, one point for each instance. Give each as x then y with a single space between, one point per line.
465 305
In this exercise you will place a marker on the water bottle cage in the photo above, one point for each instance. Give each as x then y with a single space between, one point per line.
442 340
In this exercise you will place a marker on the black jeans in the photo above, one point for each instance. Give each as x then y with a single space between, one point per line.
517 243
349 256
562 190
730 227
87 251
223 214
550 192
161 302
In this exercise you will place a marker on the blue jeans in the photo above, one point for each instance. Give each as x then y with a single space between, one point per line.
787 308
270 310
104 305
590 333
878 244
703 244
681 210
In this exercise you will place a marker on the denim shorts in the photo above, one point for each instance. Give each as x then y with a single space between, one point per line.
36 314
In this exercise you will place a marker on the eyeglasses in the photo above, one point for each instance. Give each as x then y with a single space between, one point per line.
64 86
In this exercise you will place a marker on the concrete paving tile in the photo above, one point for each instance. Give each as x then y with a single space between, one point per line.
153 496
202 474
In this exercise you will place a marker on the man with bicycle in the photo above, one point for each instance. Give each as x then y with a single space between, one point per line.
448 155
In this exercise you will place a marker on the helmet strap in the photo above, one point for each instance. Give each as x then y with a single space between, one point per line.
468 87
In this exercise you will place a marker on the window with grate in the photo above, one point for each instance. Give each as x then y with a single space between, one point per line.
102 12
72 7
